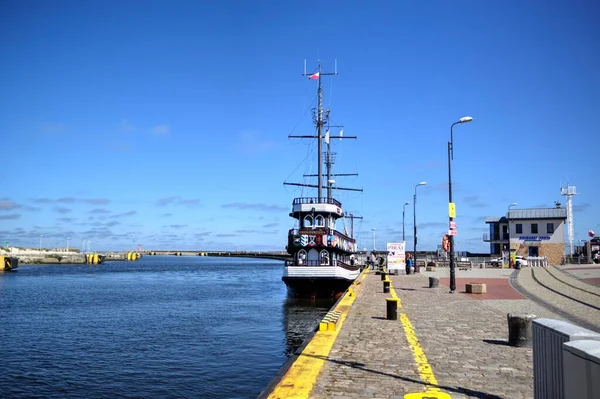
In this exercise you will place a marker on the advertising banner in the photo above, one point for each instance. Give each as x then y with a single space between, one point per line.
396 255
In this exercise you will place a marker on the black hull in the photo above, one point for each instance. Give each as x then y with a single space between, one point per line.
323 287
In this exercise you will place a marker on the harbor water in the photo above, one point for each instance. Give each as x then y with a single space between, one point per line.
168 327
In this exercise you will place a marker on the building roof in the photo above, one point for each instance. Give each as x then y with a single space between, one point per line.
538 213
530 214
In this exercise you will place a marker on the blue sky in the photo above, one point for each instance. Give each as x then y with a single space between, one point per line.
166 123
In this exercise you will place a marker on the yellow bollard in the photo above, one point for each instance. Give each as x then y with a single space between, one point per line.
96 259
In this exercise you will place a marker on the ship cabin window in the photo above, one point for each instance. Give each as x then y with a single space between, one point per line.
308 221
324 257
301 257
320 221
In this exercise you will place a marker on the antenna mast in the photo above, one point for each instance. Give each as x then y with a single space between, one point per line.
569 192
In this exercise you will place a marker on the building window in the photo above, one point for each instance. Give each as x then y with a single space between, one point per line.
534 228
519 228
550 228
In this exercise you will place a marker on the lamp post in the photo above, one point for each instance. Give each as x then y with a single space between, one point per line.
415 224
403 212
373 229
68 238
41 237
451 208
508 228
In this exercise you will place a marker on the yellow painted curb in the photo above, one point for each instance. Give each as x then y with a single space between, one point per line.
302 375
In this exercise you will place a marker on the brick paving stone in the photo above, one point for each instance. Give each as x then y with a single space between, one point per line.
465 342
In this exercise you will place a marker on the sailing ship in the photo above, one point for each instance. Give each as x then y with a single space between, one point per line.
323 261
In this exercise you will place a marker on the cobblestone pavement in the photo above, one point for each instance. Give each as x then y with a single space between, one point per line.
463 339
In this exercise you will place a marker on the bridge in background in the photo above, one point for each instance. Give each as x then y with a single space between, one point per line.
278 255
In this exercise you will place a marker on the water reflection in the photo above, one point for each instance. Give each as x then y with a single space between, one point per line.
301 317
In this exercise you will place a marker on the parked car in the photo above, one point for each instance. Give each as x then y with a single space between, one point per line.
496 262
522 261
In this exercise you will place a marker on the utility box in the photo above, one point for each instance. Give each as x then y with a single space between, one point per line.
581 367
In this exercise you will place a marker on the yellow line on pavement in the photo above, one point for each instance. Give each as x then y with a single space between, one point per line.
425 370
300 378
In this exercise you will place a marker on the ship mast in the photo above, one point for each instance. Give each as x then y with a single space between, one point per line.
320 136
321 119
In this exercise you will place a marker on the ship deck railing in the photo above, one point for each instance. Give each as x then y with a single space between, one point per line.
313 263
316 200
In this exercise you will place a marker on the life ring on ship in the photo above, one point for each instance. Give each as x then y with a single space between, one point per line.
446 243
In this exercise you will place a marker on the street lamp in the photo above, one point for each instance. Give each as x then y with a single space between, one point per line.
68 238
373 229
41 237
415 225
403 211
508 228
451 207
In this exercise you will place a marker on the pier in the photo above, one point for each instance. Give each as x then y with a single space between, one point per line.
440 345
277 255
46 256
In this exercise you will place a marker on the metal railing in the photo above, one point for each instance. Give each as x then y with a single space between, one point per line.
494 237
316 200
313 263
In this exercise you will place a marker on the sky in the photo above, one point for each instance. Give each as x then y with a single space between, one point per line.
166 123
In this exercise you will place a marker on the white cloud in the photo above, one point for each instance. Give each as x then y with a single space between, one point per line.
161 130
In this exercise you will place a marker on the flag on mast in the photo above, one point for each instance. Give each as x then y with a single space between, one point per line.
341 134
327 137
314 76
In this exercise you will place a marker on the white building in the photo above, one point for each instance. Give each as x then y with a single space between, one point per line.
532 232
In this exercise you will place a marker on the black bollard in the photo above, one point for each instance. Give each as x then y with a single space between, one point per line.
392 308
434 282
386 286
519 329
383 275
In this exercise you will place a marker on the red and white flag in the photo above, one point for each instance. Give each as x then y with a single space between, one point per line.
314 76
591 233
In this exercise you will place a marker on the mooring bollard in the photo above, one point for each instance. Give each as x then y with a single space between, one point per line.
434 282
383 275
519 329
392 308
386 286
